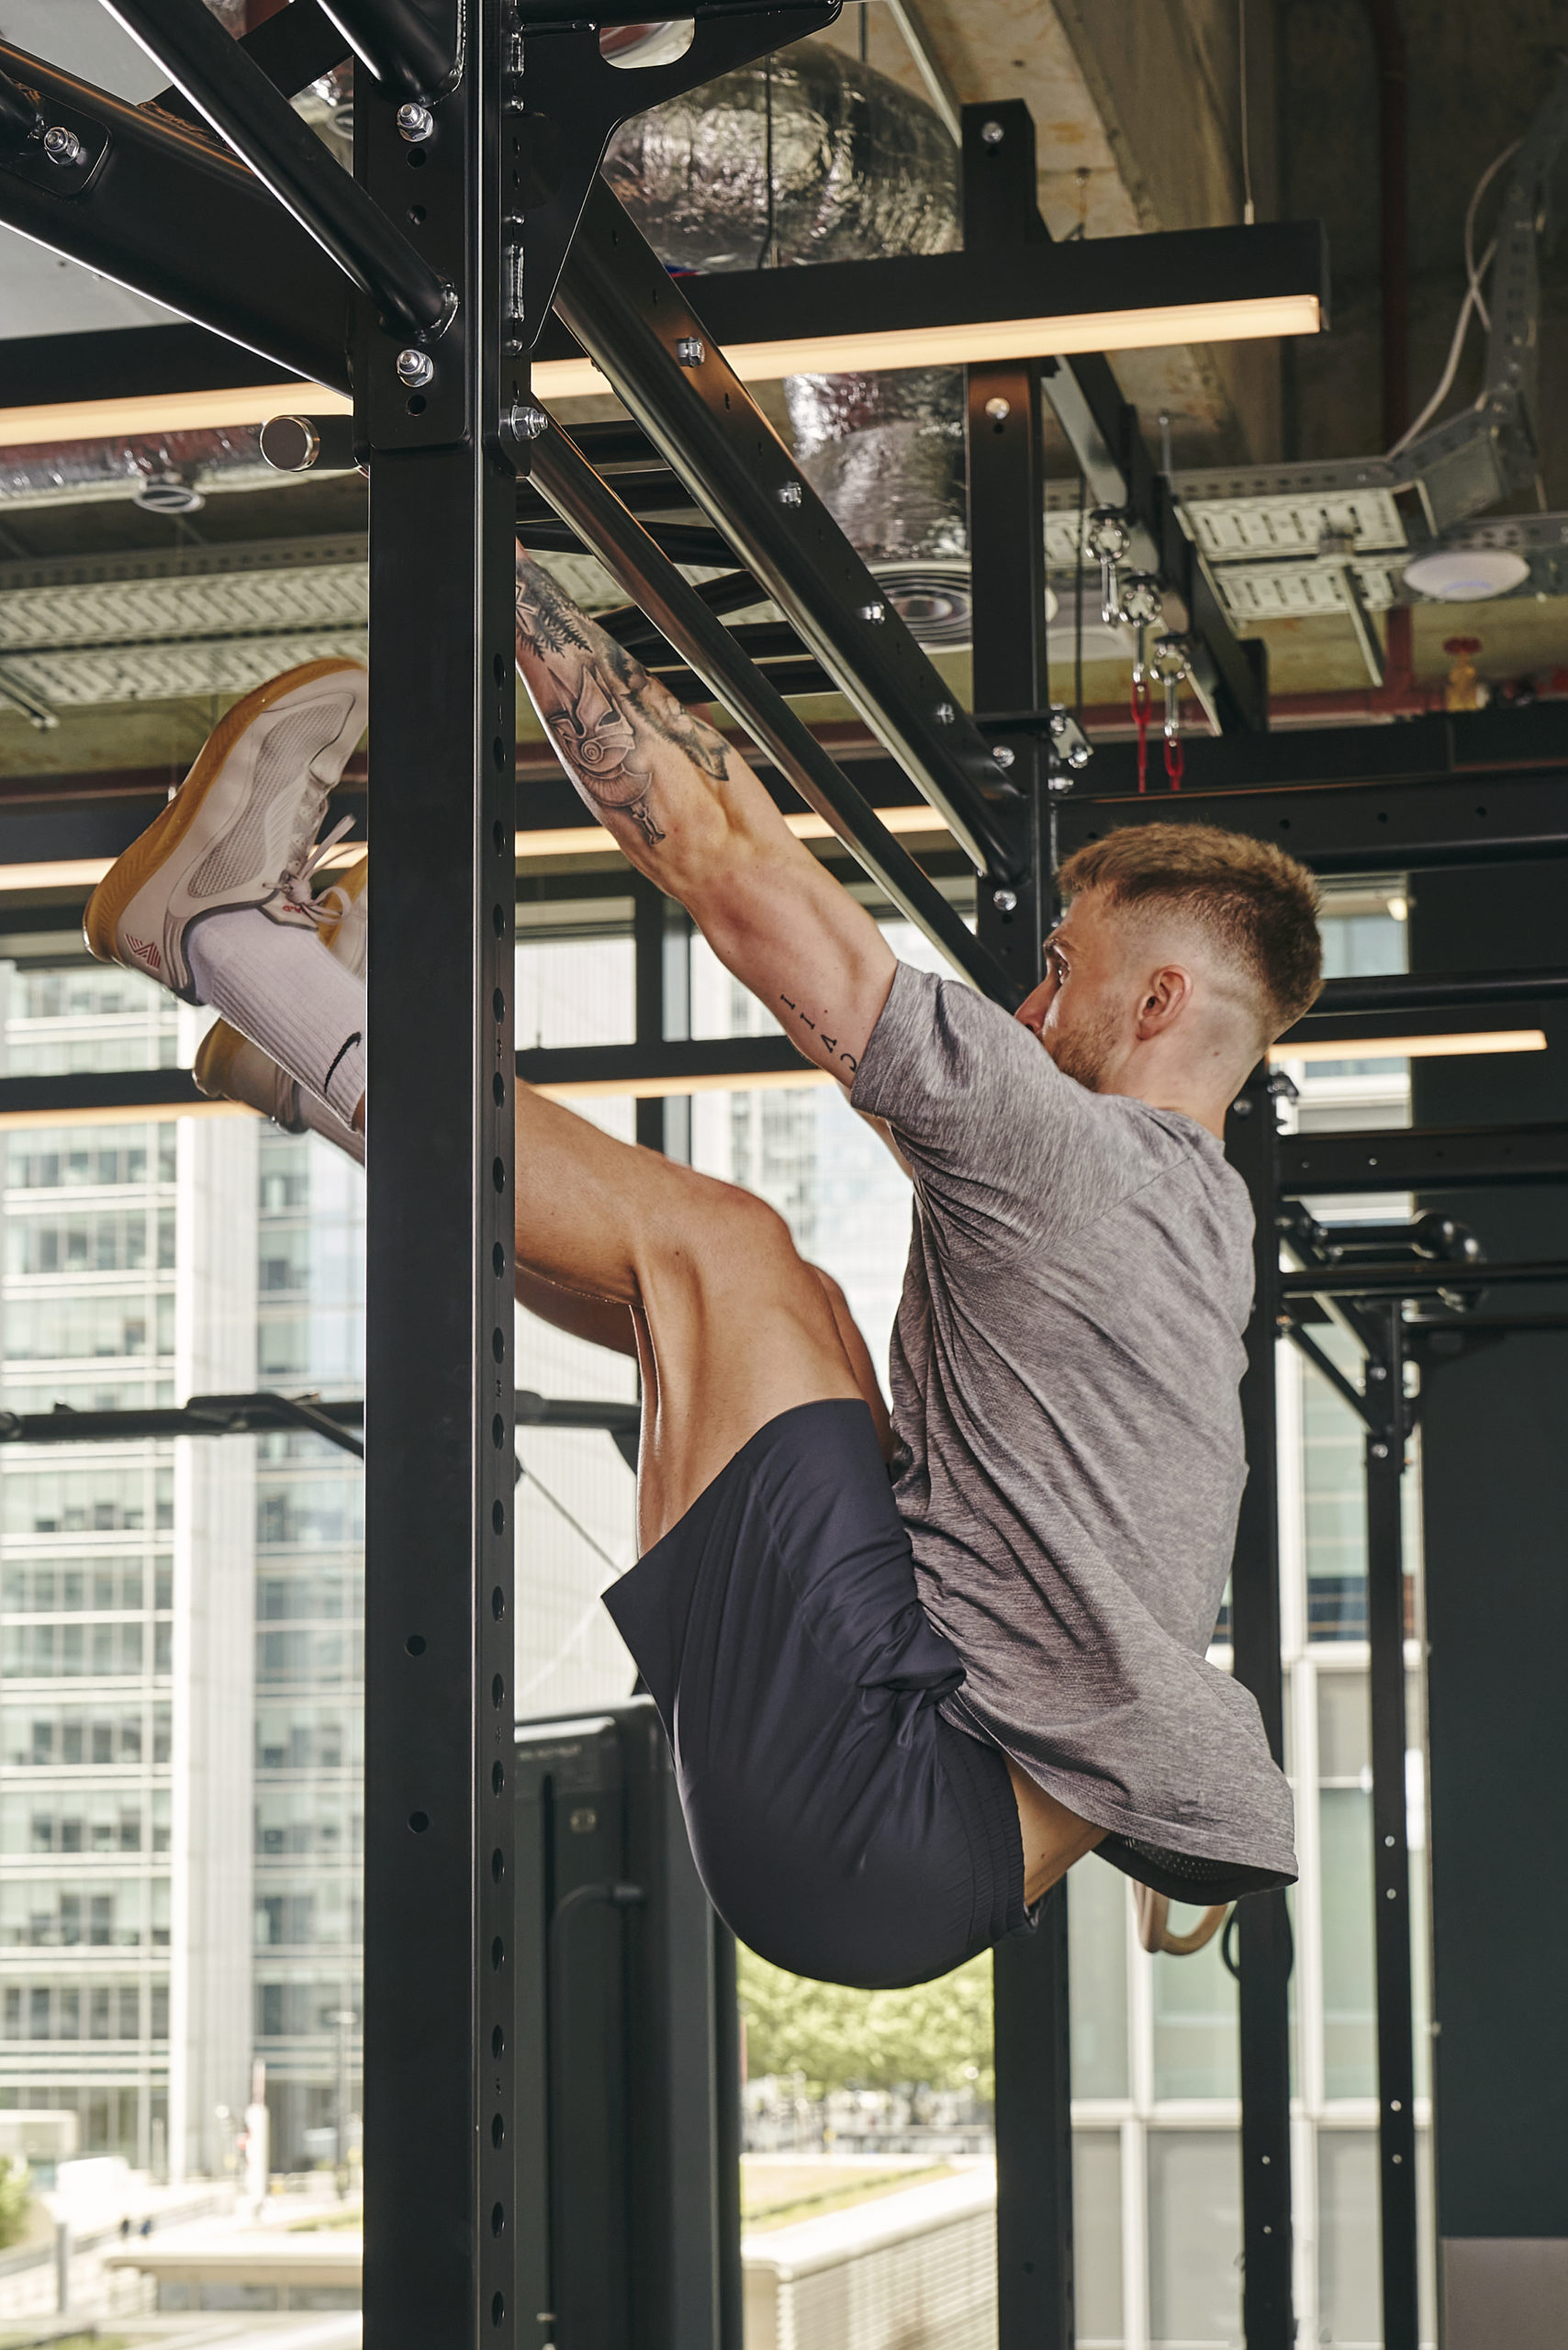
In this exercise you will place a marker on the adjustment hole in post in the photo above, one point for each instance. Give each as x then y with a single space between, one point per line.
417 215
498 1343
498 2135
499 752
498 2045
500 669
498 1516
499 921
497 1089
498 2220
497 1955
415 1644
498 1604
498 1005
419 1822
497 1867
499 1173
497 1432
498 1692
497 1778
498 835
499 2310
418 159
417 404
499 1264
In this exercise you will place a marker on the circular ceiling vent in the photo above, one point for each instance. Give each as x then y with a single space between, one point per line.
934 601
168 493
1466 575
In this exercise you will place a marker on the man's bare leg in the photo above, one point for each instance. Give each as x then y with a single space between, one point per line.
732 1326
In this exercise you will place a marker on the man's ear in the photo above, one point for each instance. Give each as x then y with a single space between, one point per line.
1166 996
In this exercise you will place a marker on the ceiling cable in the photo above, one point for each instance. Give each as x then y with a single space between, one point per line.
1249 209
1474 300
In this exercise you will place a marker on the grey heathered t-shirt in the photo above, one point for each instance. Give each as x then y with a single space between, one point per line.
1065 1369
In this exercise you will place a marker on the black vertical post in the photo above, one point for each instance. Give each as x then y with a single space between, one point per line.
440 2120
648 904
1262 1922
1007 559
1391 1861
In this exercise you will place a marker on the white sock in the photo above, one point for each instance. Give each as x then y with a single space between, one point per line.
327 1123
280 987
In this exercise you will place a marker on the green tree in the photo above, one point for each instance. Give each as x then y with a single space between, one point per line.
938 2035
16 2194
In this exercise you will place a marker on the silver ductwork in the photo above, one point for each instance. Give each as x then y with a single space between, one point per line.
811 157
79 471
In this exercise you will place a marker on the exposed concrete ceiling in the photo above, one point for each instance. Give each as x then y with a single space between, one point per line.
1138 105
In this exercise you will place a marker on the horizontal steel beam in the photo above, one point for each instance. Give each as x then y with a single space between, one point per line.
1422 1159
336 1419
1042 285
1402 991
700 1061
719 660
1414 1280
1356 828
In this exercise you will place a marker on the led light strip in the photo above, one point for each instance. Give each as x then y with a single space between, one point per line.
1247 320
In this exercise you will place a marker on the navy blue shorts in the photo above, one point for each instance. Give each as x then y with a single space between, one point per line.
841 1826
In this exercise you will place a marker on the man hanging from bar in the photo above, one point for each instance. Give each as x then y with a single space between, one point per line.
912 1668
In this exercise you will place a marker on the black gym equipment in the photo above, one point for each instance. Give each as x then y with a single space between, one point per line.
472 208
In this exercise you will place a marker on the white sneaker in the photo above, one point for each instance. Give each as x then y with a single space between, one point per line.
241 831
228 1068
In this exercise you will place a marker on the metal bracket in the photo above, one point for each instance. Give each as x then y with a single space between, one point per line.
572 99
65 172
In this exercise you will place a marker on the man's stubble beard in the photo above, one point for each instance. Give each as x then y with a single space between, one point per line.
1085 1052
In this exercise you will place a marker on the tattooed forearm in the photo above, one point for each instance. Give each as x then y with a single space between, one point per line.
601 708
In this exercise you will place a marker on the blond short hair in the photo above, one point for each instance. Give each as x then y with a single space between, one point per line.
1253 902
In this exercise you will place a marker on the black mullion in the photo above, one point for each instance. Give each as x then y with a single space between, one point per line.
1263 1933
648 904
1390 1857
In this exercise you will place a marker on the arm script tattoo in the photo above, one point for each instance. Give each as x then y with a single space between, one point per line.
602 710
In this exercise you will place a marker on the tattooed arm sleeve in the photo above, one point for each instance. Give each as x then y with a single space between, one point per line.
690 814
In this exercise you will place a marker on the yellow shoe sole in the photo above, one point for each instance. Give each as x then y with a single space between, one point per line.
142 859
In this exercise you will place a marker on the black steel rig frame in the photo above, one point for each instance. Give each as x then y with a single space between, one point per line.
427 281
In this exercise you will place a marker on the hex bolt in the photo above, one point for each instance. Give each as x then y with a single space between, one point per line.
1079 755
1004 756
873 611
1377 1370
415 122
691 350
1058 721
1004 900
414 368
789 493
528 423
991 134
1058 782
997 410
1380 1452
1242 1109
944 713
62 146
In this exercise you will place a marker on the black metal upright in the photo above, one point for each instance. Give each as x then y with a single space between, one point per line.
1263 1933
1387 1417
1007 557
439 2059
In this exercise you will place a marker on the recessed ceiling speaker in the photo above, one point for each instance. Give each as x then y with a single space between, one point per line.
1466 575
